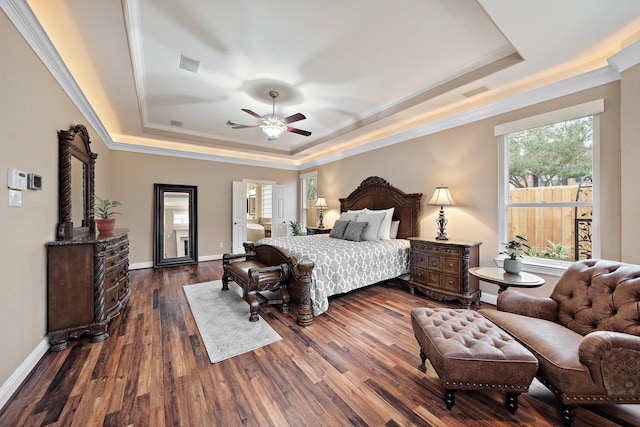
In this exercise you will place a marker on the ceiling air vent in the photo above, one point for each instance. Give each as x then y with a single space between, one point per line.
189 64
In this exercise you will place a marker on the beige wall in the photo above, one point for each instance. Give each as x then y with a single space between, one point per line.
33 108
132 177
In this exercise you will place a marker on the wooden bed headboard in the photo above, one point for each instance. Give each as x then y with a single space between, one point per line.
376 193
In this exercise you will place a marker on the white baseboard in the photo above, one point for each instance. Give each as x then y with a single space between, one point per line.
489 298
15 380
140 265
214 257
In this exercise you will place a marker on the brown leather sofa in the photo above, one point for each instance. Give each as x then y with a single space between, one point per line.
586 335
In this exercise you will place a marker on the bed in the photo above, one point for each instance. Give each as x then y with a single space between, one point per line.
340 265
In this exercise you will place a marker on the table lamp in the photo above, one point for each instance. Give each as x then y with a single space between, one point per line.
442 197
321 203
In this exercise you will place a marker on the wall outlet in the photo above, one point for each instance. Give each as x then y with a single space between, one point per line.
221 245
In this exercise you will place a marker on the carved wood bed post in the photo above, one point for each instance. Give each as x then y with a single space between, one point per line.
299 280
302 273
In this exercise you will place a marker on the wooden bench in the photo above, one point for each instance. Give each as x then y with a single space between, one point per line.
257 271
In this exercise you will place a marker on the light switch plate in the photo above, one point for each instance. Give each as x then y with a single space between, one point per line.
15 198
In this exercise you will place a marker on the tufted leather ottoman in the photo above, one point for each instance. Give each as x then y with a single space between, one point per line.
468 352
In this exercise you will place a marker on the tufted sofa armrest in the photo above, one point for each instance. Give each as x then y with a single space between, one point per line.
518 302
613 358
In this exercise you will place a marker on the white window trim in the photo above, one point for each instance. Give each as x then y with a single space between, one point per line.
594 108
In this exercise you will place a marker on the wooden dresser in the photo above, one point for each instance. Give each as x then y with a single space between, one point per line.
87 285
440 269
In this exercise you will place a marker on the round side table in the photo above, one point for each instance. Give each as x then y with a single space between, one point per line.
498 276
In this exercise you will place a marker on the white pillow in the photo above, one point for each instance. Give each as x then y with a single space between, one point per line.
358 211
385 228
373 228
393 233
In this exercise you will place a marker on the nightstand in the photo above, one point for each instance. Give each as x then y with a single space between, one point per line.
440 269
316 230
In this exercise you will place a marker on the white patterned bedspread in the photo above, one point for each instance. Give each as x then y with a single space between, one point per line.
343 265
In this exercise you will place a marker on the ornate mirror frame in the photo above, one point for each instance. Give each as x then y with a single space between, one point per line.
75 144
159 253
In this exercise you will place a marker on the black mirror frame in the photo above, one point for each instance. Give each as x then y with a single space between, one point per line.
158 225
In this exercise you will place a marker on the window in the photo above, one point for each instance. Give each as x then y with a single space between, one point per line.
308 196
547 184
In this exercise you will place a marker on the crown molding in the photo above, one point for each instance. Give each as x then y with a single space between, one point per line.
145 149
22 17
626 58
569 86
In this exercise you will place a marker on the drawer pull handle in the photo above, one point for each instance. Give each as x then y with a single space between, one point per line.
450 265
451 282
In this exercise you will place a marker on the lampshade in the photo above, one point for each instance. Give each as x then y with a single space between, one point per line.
321 203
442 197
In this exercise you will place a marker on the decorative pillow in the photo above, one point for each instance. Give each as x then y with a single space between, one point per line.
374 221
348 216
364 210
354 231
385 227
338 229
393 233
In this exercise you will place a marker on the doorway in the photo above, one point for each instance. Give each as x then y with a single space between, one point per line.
258 211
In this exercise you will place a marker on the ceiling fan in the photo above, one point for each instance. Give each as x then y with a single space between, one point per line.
273 124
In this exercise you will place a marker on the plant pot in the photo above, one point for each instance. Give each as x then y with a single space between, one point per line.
105 225
513 266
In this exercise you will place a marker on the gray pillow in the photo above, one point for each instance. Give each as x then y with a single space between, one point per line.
374 221
348 216
354 231
338 229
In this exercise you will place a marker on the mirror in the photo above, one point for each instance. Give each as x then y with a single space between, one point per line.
175 225
75 182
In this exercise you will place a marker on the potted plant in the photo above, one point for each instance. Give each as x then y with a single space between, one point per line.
105 215
296 228
514 249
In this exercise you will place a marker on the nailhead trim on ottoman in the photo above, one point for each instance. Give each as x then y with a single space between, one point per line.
469 352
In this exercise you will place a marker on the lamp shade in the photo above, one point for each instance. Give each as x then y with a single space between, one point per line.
321 203
442 197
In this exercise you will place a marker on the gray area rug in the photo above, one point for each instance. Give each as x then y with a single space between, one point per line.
223 321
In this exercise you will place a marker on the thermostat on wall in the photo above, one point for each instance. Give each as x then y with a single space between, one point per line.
16 180
35 182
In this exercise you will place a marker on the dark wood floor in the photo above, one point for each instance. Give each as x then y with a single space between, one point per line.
357 365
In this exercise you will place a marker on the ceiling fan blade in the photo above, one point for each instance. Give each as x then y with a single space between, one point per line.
299 131
239 125
294 118
256 115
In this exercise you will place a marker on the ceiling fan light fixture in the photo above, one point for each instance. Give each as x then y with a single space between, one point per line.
273 131
273 126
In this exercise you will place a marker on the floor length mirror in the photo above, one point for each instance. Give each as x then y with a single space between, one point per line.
175 225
